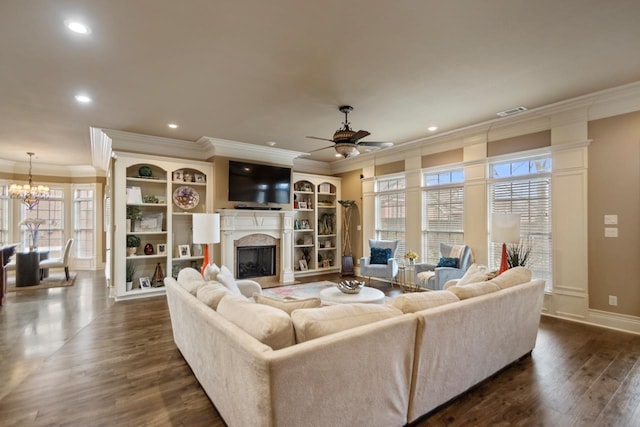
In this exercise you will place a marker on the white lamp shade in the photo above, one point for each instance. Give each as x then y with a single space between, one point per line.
206 228
505 228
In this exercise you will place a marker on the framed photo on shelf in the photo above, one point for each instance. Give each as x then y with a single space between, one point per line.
308 239
304 224
145 282
161 249
178 175
198 177
134 196
303 265
184 251
302 205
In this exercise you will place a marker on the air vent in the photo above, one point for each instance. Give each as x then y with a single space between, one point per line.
511 111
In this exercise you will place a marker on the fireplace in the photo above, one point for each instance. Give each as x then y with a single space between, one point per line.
255 261
257 229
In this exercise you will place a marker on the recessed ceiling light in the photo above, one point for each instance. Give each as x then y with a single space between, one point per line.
432 128
77 27
173 125
83 99
271 143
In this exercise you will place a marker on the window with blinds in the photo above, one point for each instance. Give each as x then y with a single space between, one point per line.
524 187
51 232
390 211
4 215
83 218
442 212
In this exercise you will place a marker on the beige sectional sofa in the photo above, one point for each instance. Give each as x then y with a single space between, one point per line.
386 372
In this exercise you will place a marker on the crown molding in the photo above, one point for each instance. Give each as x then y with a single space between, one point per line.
226 148
168 147
312 166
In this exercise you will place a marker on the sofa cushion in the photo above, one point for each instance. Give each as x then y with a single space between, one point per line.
226 278
211 293
190 279
310 323
268 325
513 276
473 289
380 255
410 303
448 262
474 274
287 304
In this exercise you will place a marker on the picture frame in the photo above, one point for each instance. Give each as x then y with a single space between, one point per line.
145 282
178 175
150 223
308 239
161 248
184 251
201 178
302 205
304 224
326 263
303 265
134 196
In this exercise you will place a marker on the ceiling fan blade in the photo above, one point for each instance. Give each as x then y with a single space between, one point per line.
375 144
320 149
359 135
321 139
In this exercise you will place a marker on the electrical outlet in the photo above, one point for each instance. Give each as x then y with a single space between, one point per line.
611 219
613 300
611 232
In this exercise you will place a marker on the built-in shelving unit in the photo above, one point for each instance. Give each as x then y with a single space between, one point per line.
162 195
316 235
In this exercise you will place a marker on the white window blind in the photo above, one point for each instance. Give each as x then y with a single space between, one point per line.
390 211
442 212
524 187
83 218
4 215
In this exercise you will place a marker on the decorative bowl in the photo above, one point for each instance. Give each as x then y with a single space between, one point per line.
350 286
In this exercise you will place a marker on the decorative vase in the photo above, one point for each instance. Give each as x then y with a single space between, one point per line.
131 251
412 261
148 249
129 286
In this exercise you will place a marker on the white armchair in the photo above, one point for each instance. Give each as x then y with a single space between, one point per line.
62 262
387 270
430 276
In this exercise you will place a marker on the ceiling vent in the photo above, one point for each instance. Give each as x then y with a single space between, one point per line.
511 111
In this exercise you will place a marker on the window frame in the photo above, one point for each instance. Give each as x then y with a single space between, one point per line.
383 191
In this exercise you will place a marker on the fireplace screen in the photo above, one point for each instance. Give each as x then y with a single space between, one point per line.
255 261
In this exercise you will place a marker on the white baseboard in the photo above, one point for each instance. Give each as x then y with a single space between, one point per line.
605 319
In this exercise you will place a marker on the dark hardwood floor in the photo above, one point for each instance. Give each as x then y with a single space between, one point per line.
73 357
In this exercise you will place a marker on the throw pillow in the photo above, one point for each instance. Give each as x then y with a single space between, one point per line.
190 279
380 255
310 323
226 278
287 305
513 276
473 289
268 325
448 262
410 303
212 293
475 273
211 272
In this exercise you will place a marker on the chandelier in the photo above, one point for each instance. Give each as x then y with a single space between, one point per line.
30 194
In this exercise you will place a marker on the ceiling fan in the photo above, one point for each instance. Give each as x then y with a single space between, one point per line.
347 141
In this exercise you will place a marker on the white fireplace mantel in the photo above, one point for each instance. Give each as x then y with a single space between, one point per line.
238 223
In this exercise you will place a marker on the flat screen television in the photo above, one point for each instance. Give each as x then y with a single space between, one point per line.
249 182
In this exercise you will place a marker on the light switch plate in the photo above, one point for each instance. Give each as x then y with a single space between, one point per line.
611 219
611 232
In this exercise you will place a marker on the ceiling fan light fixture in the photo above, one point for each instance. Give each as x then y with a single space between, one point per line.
347 150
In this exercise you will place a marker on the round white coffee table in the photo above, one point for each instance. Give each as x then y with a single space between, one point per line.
333 295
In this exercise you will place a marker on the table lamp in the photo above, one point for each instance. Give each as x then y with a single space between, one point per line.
505 228
206 230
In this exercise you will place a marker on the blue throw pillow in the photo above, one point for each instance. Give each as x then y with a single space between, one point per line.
448 262
380 255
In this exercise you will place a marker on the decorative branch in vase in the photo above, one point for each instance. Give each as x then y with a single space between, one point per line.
33 224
